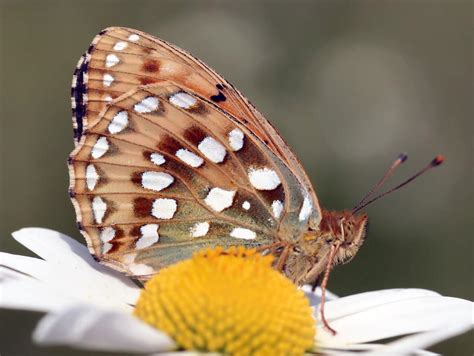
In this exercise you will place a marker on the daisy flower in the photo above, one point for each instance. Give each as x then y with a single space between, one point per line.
230 303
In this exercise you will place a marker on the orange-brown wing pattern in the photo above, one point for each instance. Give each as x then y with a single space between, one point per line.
120 59
161 173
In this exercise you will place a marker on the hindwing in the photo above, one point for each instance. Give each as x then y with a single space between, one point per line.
171 158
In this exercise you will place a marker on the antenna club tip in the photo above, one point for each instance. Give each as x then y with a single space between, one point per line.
437 160
402 157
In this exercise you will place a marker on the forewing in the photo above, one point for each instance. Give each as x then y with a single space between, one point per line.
162 172
120 59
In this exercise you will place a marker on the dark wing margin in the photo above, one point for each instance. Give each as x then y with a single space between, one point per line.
79 89
78 99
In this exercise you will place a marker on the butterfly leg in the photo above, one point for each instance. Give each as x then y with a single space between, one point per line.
324 284
271 247
282 259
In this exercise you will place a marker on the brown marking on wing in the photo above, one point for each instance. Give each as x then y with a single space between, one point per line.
195 135
146 80
142 207
151 66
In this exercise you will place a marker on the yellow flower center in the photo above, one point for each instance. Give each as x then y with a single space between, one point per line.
230 301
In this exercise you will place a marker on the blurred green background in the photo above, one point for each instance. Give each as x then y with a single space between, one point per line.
349 84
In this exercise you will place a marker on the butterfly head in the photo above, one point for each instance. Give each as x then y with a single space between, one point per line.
345 229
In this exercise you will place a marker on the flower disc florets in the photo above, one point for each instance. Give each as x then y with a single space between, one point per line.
230 301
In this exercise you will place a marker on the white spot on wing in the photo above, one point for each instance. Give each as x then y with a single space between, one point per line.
164 208
111 60
147 105
189 157
129 258
106 235
99 207
149 236
119 122
183 100
133 38
199 229
100 147
120 46
306 209
156 181
91 177
219 199
140 269
277 207
157 159
246 205
108 98
107 80
241 233
212 149
236 139
264 178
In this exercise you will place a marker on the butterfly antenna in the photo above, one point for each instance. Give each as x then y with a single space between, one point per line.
402 157
434 163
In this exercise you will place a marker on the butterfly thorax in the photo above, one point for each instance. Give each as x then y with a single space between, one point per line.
309 257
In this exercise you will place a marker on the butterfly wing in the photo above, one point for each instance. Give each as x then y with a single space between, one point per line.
119 59
162 173
171 158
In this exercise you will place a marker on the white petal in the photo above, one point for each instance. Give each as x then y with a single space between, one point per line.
93 328
359 302
395 318
315 297
371 349
25 293
70 268
25 264
339 349
51 245
406 345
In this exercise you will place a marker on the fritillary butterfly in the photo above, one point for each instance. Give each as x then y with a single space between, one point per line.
170 158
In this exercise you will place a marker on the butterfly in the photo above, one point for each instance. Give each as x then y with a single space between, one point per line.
171 158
